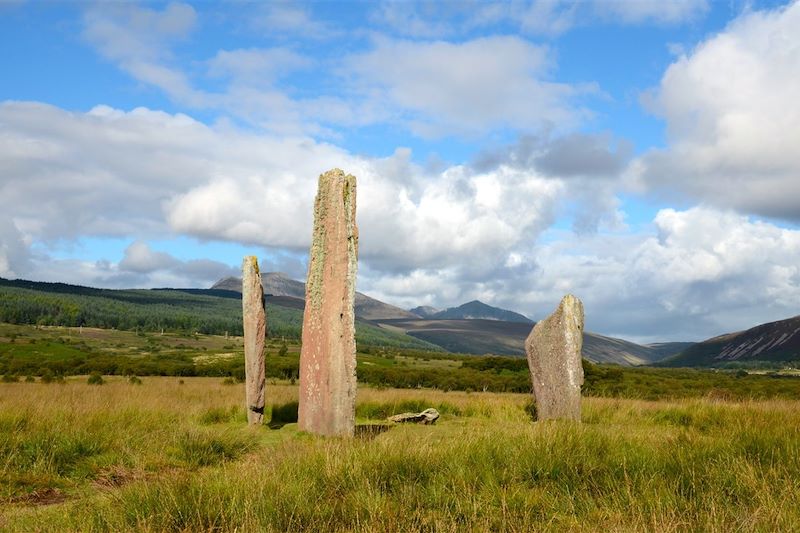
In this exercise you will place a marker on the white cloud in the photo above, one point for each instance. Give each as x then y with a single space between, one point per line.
656 11
14 252
733 118
290 19
436 238
439 88
139 257
254 65
143 174
428 19
695 274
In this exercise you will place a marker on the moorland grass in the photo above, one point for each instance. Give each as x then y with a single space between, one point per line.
164 457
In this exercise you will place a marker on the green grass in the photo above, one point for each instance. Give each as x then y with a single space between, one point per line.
55 351
167 457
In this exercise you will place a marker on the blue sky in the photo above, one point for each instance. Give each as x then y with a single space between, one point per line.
639 154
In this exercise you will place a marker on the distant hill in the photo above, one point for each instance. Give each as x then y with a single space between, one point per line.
774 341
211 311
480 336
476 310
279 284
424 311
218 311
668 349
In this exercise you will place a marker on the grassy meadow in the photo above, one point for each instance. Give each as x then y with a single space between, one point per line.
174 454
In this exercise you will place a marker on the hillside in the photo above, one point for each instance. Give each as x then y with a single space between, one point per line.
279 284
773 342
478 310
479 336
218 311
211 311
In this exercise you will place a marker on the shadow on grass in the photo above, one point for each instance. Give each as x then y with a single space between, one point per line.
370 431
283 414
286 413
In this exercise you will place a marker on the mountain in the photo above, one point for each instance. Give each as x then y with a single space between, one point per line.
279 284
481 336
478 310
424 311
774 341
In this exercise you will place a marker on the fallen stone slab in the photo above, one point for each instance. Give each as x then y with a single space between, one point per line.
428 416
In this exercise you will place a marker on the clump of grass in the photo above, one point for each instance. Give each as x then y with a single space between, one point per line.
204 448
220 415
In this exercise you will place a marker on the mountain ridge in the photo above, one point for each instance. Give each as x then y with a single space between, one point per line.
772 341
279 284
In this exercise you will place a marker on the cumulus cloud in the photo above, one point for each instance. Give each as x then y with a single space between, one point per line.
439 87
145 174
140 258
427 237
695 274
732 113
14 251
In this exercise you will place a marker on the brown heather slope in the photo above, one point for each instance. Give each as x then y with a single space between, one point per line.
774 341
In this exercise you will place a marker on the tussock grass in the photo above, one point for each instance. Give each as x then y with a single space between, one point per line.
182 459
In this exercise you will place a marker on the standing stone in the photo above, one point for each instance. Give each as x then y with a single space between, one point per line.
328 355
554 359
255 329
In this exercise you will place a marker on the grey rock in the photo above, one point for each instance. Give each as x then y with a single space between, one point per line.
554 359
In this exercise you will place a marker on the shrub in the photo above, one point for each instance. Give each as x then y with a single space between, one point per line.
10 378
95 379
133 380
284 350
30 379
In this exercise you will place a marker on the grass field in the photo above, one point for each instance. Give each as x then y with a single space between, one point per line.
166 456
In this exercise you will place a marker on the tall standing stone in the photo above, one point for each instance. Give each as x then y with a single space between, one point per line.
554 359
328 355
255 329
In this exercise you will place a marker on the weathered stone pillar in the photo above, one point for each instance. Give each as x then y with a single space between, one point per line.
255 330
328 355
554 359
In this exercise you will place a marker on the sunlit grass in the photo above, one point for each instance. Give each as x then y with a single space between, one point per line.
162 456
